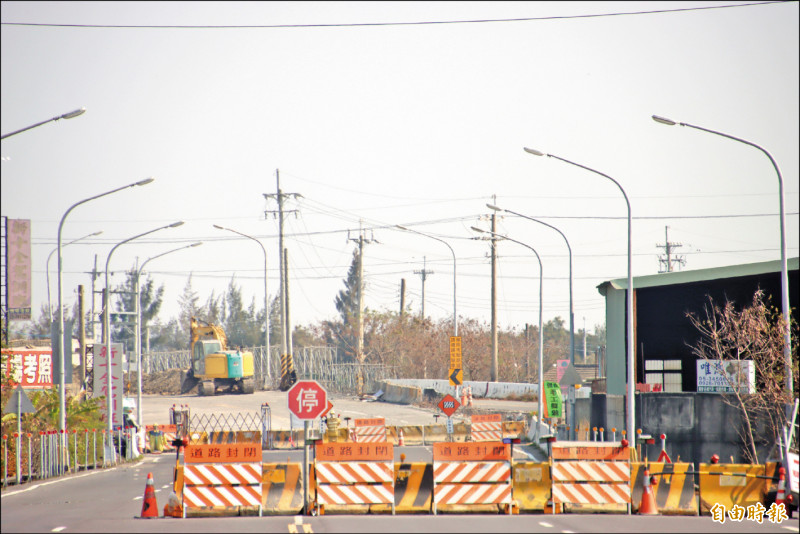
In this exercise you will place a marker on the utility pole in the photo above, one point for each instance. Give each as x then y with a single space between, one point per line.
665 263
280 198
493 375
360 314
288 329
95 275
423 275
81 337
402 297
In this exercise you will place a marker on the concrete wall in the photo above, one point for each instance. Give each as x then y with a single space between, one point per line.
491 390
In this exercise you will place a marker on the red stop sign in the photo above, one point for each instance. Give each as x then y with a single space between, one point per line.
449 405
307 399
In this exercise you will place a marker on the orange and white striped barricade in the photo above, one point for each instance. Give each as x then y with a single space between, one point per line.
472 473
590 473
354 474
372 430
487 427
222 475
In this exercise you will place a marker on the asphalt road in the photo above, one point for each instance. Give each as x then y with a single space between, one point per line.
108 501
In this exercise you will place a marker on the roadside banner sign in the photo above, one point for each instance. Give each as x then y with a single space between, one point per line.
449 405
553 400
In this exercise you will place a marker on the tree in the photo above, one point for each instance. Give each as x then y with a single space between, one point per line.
188 303
150 300
345 332
755 333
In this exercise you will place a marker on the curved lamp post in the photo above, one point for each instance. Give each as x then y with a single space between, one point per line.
138 334
60 343
70 115
50 306
571 420
785 310
109 359
541 332
631 420
266 297
455 317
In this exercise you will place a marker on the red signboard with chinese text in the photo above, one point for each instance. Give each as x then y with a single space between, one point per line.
307 399
589 452
449 405
449 452
222 453
338 452
32 368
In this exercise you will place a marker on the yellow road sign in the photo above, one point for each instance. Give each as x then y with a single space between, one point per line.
456 377
455 352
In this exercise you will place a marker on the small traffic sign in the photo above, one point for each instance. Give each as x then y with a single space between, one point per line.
327 410
456 377
449 405
307 399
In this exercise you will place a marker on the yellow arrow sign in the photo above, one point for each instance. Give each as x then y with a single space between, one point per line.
456 377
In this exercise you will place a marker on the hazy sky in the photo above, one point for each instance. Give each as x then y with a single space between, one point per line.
419 125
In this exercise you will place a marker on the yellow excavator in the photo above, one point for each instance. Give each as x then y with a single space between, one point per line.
215 367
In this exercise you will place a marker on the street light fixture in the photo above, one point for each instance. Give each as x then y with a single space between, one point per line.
571 419
107 308
60 342
541 332
785 310
455 316
138 335
266 297
50 306
70 115
631 421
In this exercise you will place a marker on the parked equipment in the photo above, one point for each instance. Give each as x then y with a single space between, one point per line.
214 366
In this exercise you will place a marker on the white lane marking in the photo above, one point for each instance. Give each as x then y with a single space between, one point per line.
548 525
58 529
298 520
567 532
57 481
165 485
140 497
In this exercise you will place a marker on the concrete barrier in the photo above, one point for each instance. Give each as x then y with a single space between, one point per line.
531 485
673 490
400 394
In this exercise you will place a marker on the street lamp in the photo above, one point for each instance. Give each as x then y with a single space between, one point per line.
266 297
455 317
70 115
138 335
60 343
50 306
786 311
541 332
107 308
629 313
571 420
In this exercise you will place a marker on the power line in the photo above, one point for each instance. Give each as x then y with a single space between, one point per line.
368 24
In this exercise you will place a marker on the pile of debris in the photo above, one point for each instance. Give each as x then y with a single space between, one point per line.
163 383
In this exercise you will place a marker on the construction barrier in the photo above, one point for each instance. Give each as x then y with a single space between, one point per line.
471 474
371 430
487 427
731 484
514 429
673 487
222 476
287 439
234 436
600 478
282 488
412 434
354 474
531 485
460 432
434 434
413 487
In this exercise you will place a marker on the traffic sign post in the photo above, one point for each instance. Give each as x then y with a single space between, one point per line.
455 374
449 405
307 401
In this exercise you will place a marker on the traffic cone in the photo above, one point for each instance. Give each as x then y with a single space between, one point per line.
149 506
401 441
469 396
780 497
648 504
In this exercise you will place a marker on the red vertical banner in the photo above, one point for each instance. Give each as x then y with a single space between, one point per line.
18 238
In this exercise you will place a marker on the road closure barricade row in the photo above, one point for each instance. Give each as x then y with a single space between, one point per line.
222 476
282 488
469 474
353 475
673 487
531 485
